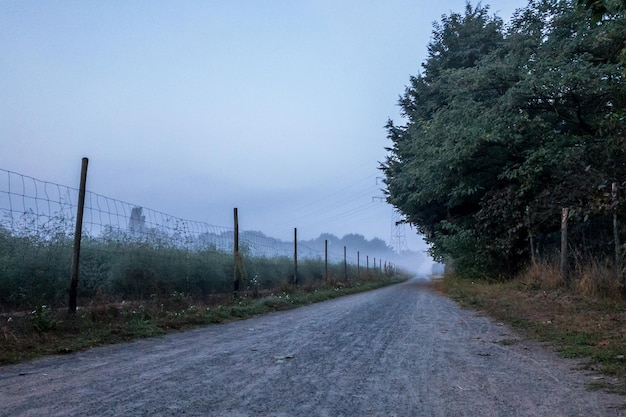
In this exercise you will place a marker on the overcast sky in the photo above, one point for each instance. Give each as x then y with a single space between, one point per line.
195 107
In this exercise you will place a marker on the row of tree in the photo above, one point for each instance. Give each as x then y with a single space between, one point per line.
508 123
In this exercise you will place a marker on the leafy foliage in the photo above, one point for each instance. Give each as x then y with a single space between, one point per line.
506 125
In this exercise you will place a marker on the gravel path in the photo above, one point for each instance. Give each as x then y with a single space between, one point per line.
397 351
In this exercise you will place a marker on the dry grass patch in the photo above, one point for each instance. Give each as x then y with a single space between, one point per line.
580 326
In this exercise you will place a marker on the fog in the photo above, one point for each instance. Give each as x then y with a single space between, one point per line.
195 108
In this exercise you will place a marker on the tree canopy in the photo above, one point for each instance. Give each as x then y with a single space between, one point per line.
506 124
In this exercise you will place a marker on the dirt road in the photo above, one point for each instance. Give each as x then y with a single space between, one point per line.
398 351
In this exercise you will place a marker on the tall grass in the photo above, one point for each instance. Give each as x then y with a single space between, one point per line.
32 270
590 278
35 270
597 279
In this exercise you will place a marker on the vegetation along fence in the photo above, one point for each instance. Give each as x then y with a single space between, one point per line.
124 250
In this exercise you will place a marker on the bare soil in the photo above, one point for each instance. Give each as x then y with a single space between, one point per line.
398 351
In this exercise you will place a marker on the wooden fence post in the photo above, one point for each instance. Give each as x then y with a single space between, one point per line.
531 239
616 239
345 265
326 260
358 264
236 254
78 232
295 256
564 216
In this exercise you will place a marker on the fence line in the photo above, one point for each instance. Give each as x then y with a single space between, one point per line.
130 250
43 210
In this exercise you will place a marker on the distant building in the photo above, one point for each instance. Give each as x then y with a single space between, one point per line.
137 222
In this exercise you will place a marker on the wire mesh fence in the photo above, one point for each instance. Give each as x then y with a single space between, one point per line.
127 250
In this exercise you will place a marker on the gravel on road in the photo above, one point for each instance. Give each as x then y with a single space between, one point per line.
397 351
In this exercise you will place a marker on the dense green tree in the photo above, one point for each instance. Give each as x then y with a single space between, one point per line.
441 162
505 126
572 84
602 8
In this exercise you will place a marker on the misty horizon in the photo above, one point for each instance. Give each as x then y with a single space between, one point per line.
196 108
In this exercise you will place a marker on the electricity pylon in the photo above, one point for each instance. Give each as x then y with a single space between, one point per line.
398 230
